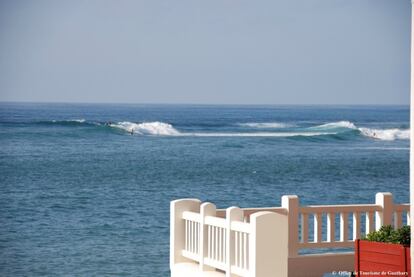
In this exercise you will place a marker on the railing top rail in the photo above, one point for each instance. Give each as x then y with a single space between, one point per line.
215 221
279 210
264 209
192 216
239 226
340 208
401 207
249 211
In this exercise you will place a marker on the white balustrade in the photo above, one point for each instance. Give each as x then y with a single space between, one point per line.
192 235
256 241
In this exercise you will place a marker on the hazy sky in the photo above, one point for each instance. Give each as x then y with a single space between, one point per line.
211 51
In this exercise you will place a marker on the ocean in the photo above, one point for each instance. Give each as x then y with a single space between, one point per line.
85 188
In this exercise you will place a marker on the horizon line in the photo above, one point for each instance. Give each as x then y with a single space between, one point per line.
197 104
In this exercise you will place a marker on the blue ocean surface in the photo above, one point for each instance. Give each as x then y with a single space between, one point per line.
85 188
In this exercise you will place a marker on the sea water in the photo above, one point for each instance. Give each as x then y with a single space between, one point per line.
85 188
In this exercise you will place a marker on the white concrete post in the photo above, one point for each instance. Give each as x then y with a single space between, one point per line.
384 217
268 245
177 227
232 214
291 204
206 209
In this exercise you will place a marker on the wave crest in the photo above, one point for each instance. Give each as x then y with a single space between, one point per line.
69 121
338 124
380 134
147 128
386 134
339 128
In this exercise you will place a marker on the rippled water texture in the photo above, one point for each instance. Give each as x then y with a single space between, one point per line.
85 189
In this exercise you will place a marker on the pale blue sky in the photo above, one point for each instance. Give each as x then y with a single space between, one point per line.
206 52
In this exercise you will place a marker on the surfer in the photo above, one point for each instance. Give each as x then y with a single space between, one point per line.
132 131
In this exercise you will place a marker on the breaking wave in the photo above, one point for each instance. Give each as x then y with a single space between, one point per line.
338 124
338 130
147 128
387 134
380 134
165 129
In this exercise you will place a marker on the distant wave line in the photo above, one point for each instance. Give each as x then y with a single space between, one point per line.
259 134
165 129
158 128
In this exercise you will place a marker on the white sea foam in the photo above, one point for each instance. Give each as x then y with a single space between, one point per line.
381 134
385 134
70 120
147 128
78 120
338 124
165 129
260 134
266 125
